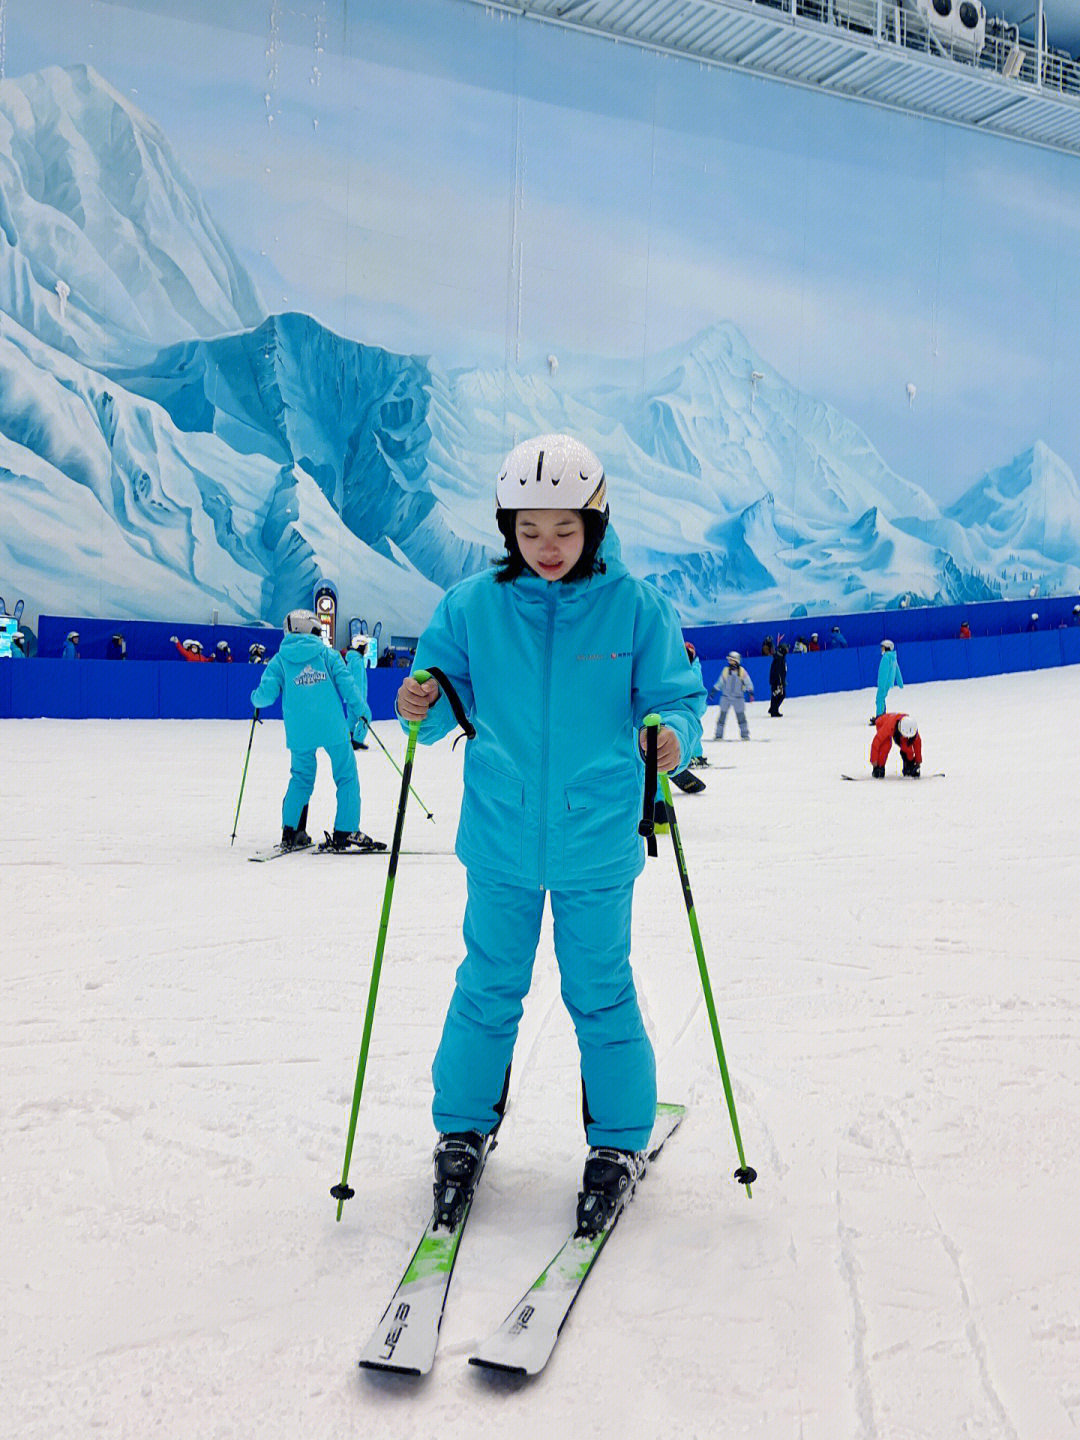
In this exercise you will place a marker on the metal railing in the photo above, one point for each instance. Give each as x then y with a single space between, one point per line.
997 47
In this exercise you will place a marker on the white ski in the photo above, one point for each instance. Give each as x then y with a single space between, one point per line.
407 1336
524 1341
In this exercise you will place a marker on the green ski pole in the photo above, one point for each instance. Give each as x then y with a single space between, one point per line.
745 1175
243 778
343 1190
397 767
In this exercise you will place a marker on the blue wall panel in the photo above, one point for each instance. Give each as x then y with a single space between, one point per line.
865 628
99 689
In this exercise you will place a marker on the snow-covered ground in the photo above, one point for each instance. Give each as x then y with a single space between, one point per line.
896 971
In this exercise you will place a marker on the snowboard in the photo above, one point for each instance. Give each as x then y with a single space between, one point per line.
928 775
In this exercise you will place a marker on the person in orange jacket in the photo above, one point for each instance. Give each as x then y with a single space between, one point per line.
190 650
903 729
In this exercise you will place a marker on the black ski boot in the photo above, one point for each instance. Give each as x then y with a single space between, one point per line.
344 842
294 839
457 1163
608 1183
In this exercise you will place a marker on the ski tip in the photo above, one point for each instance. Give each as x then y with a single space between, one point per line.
412 1370
664 1108
495 1367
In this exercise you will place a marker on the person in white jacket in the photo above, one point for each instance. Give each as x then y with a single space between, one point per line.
736 688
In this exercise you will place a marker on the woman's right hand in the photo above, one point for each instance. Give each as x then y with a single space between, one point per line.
414 701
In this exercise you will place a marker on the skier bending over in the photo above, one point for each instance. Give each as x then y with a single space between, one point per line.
735 687
903 729
312 681
558 655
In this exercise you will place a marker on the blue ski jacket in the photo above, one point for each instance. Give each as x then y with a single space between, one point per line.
557 678
357 666
888 672
312 681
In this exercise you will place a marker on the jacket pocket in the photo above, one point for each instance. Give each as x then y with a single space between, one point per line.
599 825
492 825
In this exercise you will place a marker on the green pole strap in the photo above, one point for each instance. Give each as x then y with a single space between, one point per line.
243 778
745 1174
343 1191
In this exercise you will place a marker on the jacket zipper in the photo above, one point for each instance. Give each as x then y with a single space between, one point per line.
546 737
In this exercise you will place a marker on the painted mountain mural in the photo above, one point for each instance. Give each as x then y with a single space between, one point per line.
168 449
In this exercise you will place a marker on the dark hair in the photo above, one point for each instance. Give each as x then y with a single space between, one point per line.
511 565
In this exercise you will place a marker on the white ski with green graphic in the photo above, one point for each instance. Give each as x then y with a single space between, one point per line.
407 1336
524 1341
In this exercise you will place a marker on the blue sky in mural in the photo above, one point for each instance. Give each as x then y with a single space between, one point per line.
377 176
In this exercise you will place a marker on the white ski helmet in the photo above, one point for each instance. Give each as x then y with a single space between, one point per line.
734 658
887 645
360 642
195 645
302 622
551 472
72 635
907 727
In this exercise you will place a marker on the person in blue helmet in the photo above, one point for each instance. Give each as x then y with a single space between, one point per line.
888 675
312 681
357 660
557 654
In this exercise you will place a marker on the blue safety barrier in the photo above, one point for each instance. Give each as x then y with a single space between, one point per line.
817 672
150 690
870 627
176 689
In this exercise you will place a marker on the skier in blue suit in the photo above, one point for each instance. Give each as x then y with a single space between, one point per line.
558 655
888 675
357 660
312 681
71 646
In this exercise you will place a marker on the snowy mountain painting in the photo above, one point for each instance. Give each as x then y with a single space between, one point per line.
168 449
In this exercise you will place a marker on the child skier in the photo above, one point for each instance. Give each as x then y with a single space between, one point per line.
888 675
903 729
312 681
357 661
558 655
735 687
190 650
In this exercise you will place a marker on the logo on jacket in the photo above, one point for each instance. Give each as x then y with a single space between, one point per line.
614 655
310 676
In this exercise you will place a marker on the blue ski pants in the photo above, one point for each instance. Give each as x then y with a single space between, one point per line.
882 698
592 946
302 782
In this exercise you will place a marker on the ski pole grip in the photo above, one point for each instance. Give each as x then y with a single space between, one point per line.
647 826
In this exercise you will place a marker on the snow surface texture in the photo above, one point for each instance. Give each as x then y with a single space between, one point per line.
167 450
895 973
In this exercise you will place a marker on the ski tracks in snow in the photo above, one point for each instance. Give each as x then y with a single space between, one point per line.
916 1334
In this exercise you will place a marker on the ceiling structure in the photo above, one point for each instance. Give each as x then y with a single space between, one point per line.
878 51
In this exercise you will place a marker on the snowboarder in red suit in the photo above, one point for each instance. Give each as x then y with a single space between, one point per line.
903 729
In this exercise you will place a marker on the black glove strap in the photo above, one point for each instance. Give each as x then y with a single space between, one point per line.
455 701
647 828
